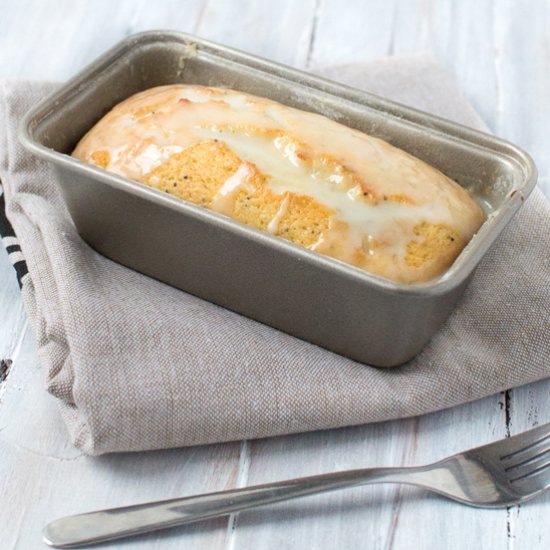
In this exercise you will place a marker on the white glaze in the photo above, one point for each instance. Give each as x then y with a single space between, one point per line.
273 225
377 194
224 200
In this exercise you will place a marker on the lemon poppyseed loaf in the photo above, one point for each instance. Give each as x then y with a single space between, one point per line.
294 174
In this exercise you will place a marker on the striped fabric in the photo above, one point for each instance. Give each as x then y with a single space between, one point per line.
10 242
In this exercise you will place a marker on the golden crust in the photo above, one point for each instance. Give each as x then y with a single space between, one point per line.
198 173
164 138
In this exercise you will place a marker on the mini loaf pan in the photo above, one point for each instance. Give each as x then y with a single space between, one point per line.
316 298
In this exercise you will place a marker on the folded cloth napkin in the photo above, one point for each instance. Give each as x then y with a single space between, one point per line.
136 364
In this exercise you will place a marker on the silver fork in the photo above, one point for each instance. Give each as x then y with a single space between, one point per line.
500 474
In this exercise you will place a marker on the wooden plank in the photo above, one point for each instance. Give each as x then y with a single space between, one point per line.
523 71
77 31
353 31
278 30
459 37
53 40
523 116
454 34
43 477
443 524
167 15
376 516
528 523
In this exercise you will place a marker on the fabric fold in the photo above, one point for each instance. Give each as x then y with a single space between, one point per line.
138 365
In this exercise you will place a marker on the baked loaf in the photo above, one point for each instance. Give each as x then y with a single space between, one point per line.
294 174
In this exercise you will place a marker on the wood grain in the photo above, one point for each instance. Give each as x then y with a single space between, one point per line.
383 516
44 477
498 53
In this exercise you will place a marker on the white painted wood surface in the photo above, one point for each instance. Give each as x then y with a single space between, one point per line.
499 53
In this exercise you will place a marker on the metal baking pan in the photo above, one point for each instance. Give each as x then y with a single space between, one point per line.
313 297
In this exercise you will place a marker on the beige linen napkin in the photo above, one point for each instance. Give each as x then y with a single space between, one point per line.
138 365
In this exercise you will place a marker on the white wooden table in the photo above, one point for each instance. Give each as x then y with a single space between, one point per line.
499 53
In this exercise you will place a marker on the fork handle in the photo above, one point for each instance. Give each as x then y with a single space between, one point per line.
116 523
